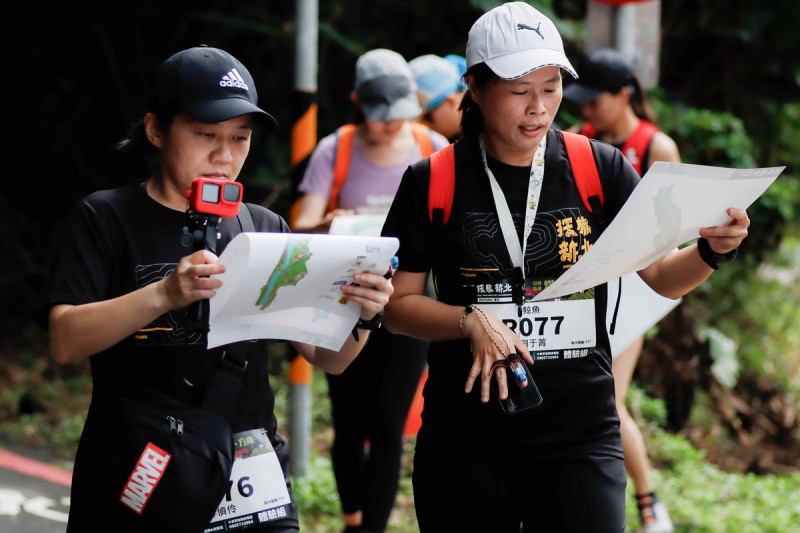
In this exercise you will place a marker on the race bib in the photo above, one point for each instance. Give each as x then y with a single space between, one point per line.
257 490
558 329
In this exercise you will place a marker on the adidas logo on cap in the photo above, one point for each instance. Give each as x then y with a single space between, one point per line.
233 79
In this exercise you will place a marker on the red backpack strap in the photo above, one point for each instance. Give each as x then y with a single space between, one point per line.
423 137
442 184
341 162
584 168
636 144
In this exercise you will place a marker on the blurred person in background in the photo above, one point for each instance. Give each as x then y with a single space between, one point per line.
615 107
440 86
370 401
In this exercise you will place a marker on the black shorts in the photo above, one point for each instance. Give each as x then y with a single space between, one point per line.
464 489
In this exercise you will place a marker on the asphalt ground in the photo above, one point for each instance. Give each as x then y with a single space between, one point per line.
34 492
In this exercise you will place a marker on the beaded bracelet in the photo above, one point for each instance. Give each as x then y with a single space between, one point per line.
467 310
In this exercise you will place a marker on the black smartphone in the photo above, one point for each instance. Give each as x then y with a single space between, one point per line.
523 394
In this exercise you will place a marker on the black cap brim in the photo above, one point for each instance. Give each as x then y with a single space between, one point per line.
581 93
214 111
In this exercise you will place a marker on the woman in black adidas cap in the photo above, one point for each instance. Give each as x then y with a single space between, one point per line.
120 286
516 221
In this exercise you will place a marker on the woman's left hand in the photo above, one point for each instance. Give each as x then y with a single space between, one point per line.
371 292
723 239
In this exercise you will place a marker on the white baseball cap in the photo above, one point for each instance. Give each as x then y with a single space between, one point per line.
514 39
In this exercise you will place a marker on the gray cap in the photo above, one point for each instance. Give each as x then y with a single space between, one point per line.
385 87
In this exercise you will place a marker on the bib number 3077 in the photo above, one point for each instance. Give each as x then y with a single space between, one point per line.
551 326
525 327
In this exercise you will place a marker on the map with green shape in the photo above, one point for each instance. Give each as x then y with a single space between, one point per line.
291 268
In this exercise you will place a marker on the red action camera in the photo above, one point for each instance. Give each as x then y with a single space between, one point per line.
215 197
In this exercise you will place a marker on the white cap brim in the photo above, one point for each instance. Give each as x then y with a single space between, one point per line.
518 64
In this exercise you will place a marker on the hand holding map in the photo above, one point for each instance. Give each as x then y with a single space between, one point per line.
667 209
287 286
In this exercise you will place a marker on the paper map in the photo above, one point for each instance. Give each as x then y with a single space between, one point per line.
287 286
667 209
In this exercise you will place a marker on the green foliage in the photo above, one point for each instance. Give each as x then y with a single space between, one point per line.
704 137
316 492
699 496
725 367
750 305
644 408
702 498
756 304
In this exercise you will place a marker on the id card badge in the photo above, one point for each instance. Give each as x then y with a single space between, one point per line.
257 490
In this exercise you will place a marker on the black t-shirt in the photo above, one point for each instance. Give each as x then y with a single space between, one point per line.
578 413
117 241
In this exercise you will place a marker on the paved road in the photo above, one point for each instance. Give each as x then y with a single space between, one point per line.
34 494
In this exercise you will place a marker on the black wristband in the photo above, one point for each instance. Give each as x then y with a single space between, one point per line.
712 258
372 324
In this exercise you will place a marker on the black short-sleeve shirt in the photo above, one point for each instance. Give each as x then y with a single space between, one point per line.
116 241
578 412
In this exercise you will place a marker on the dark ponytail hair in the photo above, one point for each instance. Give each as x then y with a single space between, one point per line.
139 152
471 116
639 103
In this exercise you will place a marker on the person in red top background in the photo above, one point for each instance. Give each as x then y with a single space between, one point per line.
616 111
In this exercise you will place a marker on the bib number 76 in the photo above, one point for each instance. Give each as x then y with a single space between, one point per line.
245 489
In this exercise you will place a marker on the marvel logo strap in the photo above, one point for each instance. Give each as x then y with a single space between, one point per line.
145 476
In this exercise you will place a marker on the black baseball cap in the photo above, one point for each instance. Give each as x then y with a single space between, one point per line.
209 85
603 70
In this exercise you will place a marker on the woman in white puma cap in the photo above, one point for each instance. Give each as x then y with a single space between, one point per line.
516 222
121 284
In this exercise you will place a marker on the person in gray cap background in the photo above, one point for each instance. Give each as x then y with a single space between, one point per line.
615 107
356 170
516 222
121 282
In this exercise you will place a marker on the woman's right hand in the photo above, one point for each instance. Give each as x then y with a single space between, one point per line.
190 281
490 341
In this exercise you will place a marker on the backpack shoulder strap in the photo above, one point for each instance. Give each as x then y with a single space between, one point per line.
442 184
584 168
637 143
341 162
423 137
245 218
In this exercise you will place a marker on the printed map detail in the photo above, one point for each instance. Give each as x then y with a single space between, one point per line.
289 287
291 268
